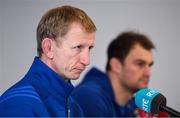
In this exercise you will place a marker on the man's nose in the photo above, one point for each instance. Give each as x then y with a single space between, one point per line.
148 71
85 57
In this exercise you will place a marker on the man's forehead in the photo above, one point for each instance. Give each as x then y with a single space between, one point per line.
138 52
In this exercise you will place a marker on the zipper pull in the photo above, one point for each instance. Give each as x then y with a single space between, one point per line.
69 113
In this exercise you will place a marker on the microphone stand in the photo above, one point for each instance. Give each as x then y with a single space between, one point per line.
169 110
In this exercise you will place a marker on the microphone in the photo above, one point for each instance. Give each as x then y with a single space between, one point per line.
153 102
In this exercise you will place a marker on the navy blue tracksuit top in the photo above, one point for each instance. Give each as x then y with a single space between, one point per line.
41 93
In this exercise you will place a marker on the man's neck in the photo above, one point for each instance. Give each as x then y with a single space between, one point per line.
122 96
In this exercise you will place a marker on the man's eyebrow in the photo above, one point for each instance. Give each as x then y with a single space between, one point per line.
143 61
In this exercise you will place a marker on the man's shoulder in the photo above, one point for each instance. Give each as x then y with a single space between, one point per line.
92 99
20 94
90 92
88 87
20 100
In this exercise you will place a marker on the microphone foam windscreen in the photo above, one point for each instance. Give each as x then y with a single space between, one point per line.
149 100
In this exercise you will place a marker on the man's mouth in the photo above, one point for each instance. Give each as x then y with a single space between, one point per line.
80 69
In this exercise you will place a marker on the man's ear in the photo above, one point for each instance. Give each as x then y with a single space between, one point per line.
116 65
47 47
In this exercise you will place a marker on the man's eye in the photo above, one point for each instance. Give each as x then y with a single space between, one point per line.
91 47
78 47
140 64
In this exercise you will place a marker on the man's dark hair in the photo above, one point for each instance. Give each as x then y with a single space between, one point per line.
123 43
